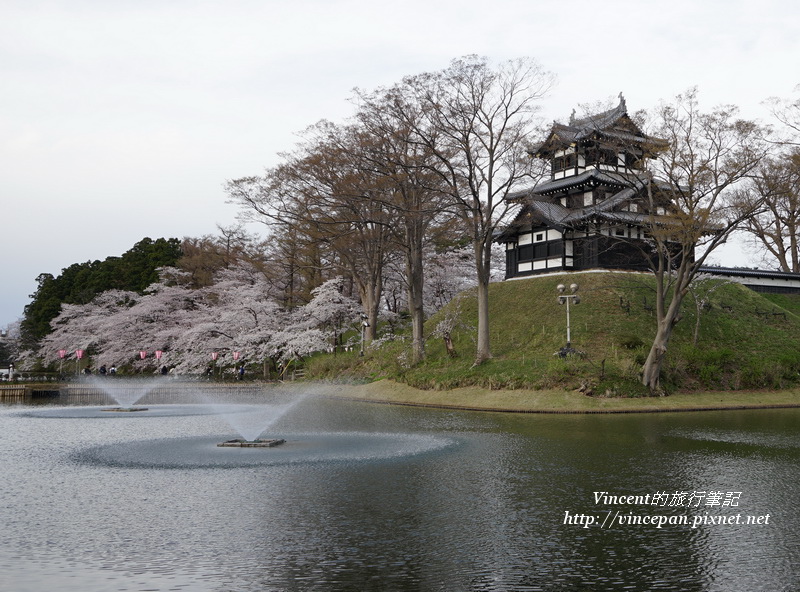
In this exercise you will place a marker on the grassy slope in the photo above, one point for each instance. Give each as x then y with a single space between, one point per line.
738 348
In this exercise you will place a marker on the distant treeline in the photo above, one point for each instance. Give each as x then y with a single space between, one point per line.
79 283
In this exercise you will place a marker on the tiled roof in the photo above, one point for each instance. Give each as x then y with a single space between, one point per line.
539 209
601 120
593 174
754 273
613 124
561 216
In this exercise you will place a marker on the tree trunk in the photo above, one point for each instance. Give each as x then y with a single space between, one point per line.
483 351
667 318
417 326
415 283
483 252
651 372
448 344
698 311
371 305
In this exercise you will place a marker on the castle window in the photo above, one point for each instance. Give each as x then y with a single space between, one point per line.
598 156
564 162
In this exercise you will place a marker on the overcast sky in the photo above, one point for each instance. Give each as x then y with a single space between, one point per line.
122 119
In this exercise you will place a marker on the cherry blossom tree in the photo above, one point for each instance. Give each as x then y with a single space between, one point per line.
84 326
237 315
330 311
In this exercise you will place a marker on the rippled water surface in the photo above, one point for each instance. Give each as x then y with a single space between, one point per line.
372 497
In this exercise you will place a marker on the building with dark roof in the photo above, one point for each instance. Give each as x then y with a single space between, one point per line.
595 209
599 205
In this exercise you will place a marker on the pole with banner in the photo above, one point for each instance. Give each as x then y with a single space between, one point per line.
240 370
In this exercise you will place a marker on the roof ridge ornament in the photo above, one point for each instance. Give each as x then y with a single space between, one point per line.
622 103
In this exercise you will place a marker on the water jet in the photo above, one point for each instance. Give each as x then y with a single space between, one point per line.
125 391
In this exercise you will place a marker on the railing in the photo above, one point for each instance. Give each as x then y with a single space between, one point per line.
14 390
102 394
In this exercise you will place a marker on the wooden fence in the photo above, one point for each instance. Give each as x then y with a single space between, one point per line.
171 392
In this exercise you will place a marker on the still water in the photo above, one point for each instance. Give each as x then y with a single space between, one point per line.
373 497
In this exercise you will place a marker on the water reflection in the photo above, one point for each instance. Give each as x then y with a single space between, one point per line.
486 512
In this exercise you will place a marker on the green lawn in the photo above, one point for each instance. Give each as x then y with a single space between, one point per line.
561 401
746 342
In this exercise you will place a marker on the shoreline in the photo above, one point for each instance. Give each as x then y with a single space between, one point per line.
554 401
387 392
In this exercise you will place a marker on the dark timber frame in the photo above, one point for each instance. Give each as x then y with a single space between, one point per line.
595 209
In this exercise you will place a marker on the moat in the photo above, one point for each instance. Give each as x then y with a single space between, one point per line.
375 497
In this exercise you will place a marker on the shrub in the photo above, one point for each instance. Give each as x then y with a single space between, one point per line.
631 342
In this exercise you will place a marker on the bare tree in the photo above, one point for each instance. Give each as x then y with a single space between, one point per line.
413 191
708 155
787 112
775 230
327 192
702 288
293 259
476 121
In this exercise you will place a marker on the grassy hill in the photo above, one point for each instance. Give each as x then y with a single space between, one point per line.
746 340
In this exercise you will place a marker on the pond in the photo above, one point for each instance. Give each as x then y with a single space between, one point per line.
374 497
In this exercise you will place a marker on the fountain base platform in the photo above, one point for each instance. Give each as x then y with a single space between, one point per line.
125 409
241 443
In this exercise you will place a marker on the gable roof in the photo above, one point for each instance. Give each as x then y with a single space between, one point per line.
542 211
592 176
613 126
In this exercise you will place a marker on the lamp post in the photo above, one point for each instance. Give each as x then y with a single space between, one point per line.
364 325
214 356
564 298
78 356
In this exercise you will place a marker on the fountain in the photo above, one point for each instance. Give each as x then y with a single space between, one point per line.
251 420
248 411
242 443
126 392
297 434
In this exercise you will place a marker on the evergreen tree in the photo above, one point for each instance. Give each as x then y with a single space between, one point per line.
79 283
